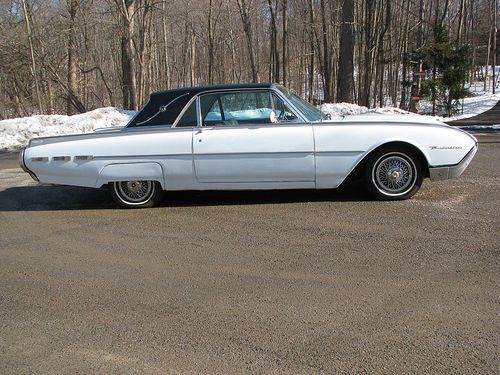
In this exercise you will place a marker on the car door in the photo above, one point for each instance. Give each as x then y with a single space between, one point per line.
251 137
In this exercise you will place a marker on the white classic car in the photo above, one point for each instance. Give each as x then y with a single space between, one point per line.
249 136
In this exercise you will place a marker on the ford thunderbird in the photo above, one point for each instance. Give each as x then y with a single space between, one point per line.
247 137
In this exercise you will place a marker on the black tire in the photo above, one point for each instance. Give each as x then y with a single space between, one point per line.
393 174
136 194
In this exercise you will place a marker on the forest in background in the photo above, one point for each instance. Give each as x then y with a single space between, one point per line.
71 56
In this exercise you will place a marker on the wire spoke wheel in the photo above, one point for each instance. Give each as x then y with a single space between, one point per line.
135 193
394 174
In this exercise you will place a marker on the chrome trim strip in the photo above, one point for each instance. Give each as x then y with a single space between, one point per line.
24 167
39 159
340 153
61 158
105 157
21 159
451 171
257 126
254 153
199 120
181 113
297 112
255 182
83 157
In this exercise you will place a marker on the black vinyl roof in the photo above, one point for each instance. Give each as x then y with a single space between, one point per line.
175 100
197 89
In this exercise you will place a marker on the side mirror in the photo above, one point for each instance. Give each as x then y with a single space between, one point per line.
273 118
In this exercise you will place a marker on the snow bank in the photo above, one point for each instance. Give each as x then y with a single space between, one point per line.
15 133
471 107
345 109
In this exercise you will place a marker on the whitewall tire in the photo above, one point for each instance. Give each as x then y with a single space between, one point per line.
393 174
136 194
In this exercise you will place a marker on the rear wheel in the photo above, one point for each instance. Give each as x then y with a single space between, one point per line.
137 194
393 174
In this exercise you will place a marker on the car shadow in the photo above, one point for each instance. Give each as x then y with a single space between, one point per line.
54 198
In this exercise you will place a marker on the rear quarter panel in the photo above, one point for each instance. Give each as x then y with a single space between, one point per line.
171 149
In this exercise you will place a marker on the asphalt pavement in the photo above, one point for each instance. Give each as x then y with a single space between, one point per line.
252 282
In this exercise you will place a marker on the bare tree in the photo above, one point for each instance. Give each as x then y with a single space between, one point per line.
345 81
73 55
247 28
129 86
32 55
72 86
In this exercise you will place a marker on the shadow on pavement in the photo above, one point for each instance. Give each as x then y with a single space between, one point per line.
53 198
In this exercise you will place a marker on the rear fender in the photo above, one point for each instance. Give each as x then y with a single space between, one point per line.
130 172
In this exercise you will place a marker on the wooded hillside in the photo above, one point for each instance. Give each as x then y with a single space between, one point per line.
70 56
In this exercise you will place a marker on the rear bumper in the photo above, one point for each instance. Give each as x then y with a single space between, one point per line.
23 166
452 171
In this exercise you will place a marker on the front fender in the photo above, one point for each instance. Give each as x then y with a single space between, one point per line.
129 172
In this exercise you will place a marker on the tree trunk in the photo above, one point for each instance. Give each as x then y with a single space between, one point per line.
327 71
312 51
345 82
165 44
72 84
247 28
368 52
129 87
285 43
274 63
193 59
32 55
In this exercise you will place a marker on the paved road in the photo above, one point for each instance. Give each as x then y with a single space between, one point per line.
489 117
283 282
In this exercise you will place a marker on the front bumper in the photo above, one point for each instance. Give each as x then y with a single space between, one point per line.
452 171
23 166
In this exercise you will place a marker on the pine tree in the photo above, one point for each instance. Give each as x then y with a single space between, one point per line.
449 66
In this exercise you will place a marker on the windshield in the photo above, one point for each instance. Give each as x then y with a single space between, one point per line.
310 112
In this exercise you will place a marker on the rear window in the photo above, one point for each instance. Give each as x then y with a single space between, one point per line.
160 110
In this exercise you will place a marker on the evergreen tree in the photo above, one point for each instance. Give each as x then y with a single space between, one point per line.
449 66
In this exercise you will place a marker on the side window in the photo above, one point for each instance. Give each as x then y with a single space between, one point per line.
282 111
236 108
188 119
215 112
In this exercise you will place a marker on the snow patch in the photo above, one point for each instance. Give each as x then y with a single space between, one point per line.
347 109
15 133
468 107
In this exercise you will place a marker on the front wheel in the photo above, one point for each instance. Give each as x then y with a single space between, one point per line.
136 194
393 174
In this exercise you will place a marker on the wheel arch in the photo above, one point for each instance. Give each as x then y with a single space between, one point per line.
357 171
116 172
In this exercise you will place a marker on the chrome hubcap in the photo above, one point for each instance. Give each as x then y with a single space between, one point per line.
394 174
135 191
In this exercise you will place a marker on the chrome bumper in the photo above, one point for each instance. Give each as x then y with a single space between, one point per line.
23 166
452 171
